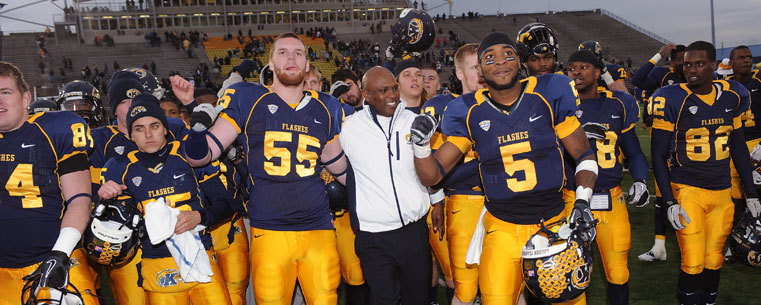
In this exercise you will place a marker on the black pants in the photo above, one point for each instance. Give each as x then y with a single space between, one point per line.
396 264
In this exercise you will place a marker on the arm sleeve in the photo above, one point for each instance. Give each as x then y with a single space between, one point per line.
741 159
564 100
460 173
221 202
659 150
455 127
637 162
641 80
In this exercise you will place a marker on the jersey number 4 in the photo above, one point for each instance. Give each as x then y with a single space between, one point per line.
302 154
21 184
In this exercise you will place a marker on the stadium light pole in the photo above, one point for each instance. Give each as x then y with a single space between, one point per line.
713 28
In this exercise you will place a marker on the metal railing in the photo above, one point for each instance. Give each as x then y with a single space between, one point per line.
635 27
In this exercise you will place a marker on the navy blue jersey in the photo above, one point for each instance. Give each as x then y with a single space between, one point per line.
701 126
31 202
519 153
651 77
172 179
282 150
618 112
437 104
109 143
751 128
616 72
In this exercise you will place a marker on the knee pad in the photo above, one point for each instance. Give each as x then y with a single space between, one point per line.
466 291
352 274
618 275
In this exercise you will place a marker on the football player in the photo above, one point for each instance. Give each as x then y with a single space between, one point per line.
289 135
348 95
313 79
741 62
702 121
42 105
649 78
517 128
157 170
43 221
113 142
611 117
464 194
431 81
539 48
613 76
83 99
409 75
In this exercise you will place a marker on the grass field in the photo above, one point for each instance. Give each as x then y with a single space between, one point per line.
649 283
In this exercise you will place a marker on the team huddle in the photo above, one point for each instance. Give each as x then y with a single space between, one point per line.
523 171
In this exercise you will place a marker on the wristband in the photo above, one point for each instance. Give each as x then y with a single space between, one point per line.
437 196
656 58
421 151
583 193
607 78
68 238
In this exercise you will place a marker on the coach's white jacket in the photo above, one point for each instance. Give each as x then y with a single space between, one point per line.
384 190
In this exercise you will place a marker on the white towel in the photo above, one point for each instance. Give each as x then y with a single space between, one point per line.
476 242
186 248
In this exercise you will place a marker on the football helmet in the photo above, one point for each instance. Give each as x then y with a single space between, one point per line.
557 262
537 38
745 240
266 76
114 233
337 195
83 99
31 290
150 82
42 105
414 31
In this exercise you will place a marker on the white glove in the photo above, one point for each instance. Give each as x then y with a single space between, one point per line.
674 210
756 178
638 194
754 206
203 116
594 131
755 154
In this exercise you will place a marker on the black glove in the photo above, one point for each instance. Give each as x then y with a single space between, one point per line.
582 218
338 88
53 272
422 128
594 131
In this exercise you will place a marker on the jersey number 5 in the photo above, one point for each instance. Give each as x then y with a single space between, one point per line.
512 166
302 154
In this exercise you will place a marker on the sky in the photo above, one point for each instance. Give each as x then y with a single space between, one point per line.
681 21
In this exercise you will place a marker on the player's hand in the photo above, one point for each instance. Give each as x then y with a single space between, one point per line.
338 88
53 272
673 211
665 50
437 219
755 154
203 116
389 52
581 217
182 89
422 129
638 194
110 189
186 221
594 131
754 206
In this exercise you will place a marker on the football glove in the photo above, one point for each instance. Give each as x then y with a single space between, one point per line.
53 271
422 129
754 206
581 217
638 194
673 211
756 178
755 154
203 116
594 131
338 88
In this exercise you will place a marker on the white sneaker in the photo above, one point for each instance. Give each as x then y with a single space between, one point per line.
653 254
